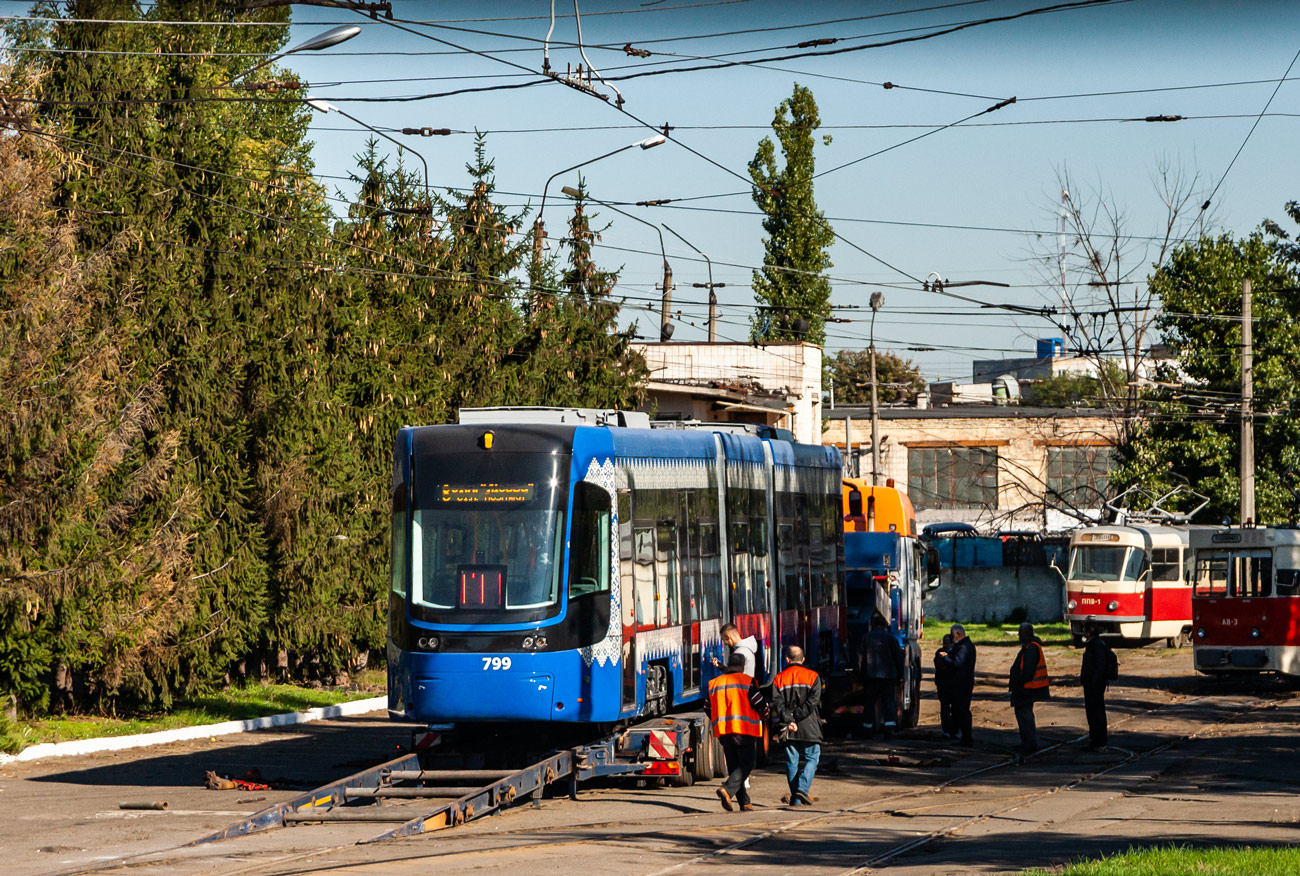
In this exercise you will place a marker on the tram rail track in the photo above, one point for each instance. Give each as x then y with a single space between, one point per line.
665 829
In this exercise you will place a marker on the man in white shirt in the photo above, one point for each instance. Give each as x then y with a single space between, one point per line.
748 647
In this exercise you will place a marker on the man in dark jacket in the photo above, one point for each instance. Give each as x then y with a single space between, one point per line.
960 659
1029 683
943 681
881 668
1100 667
796 698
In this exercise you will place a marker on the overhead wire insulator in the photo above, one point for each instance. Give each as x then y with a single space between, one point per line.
636 53
428 132
824 41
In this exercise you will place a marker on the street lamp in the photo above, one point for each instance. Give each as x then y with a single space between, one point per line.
664 333
713 299
331 37
323 107
538 229
877 302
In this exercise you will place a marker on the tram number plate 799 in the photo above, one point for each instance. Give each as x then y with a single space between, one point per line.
496 663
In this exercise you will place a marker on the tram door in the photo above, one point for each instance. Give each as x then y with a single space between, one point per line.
688 554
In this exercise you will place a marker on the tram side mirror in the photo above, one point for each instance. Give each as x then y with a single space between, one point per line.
932 568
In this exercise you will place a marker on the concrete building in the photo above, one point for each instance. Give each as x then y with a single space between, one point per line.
997 467
777 384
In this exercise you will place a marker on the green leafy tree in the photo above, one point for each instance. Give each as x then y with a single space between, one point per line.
897 379
1192 433
1080 390
792 284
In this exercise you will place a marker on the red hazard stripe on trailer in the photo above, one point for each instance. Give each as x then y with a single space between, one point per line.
662 745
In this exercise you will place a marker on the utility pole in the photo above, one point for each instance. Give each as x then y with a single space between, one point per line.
877 301
665 330
1247 413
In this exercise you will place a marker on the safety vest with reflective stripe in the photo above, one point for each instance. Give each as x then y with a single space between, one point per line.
730 708
796 676
1039 679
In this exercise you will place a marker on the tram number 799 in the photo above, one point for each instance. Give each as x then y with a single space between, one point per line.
496 663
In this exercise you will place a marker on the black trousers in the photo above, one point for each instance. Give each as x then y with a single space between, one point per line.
740 752
1028 727
961 716
881 706
1094 706
946 719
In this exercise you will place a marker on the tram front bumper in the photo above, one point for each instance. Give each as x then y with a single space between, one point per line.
479 696
1232 658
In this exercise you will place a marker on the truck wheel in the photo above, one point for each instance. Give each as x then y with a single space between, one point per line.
911 716
703 767
719 758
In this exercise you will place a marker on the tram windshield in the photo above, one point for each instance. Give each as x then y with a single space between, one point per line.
1237 573
1107 563
487 537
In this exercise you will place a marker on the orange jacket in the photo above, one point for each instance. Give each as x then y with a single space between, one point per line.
729 706
1029 679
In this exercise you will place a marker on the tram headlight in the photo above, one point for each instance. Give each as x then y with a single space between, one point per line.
527 642
428 643
1200 632
1254 632
1112 605
1071 605
541 642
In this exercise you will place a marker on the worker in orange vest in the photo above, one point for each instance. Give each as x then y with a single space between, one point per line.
1029 683
738 726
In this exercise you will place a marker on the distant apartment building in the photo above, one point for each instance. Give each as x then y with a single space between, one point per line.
997 467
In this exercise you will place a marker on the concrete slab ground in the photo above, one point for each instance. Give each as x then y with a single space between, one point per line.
1195 761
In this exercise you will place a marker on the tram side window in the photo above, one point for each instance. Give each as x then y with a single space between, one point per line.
817 579
1166 564
669 610
785 547
398 580
625 524
1211 575
589 542
1288 582
643 576
710 586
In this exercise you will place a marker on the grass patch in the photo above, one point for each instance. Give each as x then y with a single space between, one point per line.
999 634
231 704
1177 861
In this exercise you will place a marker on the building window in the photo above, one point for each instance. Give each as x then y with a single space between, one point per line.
952 477
1078 476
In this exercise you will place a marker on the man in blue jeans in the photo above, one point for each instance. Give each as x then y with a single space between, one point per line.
796 699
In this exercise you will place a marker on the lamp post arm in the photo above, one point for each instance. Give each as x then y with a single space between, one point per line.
328 107
551 178
707 260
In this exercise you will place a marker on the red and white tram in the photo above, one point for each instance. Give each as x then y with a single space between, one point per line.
1246 600
1133 581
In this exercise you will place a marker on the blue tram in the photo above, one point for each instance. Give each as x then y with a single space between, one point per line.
563 565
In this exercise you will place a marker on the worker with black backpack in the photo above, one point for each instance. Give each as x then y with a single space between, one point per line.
1100 668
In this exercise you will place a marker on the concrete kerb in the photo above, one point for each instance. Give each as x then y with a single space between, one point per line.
181 734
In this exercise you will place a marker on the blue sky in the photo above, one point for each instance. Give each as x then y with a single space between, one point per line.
1001 176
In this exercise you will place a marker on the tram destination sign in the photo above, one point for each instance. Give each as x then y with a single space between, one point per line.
491 494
